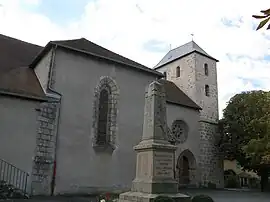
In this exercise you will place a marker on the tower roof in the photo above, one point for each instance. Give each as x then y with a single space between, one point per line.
182 51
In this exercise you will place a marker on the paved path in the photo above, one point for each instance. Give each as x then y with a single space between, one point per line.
217 195
231 196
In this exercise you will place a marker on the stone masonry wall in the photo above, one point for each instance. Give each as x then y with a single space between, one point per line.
209 104
211 159
43 162
186 81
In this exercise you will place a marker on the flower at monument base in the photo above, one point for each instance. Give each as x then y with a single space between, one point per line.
107 196
102 200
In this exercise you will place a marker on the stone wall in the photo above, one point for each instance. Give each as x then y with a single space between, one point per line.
43 162
186 80
211 159
209 104
80 168
192 81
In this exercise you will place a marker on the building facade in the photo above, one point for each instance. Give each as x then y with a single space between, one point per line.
89 107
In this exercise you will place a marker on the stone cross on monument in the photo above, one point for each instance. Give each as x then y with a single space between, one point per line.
155 155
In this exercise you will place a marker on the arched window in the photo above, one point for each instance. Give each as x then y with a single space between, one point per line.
206 69
178 71
105 112
102 136
207 93
165 75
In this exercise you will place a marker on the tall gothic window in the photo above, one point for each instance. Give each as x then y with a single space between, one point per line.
178 71
102 136
105 112
206 69
206 89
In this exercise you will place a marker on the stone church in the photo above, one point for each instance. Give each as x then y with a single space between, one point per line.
72 111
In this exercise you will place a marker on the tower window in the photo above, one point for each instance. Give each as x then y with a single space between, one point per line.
165 75
178 71
206 89
206 69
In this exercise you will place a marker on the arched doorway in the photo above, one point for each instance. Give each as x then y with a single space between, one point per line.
186 169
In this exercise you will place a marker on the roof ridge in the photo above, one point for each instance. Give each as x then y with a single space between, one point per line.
182 45
19 40
67 40
182 51
194 43
82 38
162 58
86 46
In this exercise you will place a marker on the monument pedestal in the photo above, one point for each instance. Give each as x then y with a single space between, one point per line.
154 174
155 155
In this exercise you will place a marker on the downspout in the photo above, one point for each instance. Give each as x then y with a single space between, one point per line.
52 62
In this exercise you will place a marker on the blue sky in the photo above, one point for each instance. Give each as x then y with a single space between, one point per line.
144 30
60 11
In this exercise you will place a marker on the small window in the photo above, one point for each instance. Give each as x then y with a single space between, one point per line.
206 69
178 71
165 75
207 90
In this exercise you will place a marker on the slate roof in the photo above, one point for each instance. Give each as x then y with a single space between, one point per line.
84 46
182 51
15 77
175 95
21 81
16 53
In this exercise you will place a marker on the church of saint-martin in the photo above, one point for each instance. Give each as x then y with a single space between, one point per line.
72 111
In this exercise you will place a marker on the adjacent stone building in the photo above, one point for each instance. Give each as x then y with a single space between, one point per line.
77 110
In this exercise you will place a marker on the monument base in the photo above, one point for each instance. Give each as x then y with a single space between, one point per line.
145 197
155 186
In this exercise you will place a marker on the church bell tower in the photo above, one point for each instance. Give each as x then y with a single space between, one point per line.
195 73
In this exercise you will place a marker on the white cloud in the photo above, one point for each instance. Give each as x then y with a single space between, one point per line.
125 26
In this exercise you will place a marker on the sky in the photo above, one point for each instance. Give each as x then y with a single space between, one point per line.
144 30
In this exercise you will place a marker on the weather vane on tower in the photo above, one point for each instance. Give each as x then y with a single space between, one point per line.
192 35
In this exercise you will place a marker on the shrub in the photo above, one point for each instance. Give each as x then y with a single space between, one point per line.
202 198
107 197
10 192
163 199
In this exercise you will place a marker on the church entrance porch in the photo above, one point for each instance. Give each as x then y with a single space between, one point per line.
186 169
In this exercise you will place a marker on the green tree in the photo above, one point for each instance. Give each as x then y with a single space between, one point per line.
245 129
265 19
